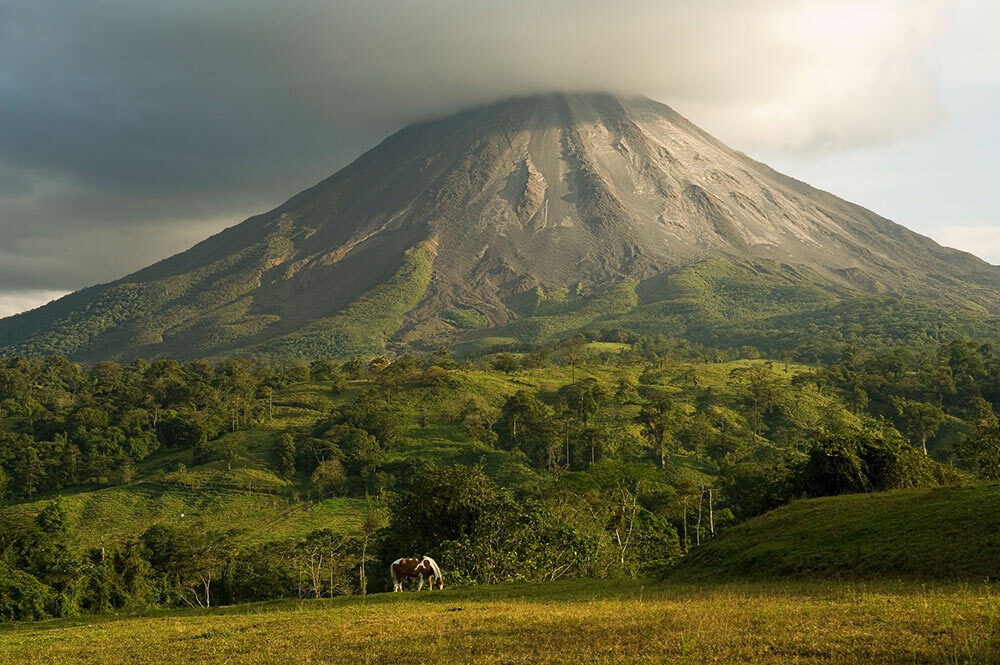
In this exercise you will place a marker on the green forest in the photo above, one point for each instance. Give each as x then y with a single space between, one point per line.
600 455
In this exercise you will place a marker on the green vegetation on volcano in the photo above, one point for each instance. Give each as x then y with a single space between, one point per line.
363 326
775 308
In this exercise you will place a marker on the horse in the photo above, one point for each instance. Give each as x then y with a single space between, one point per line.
424 568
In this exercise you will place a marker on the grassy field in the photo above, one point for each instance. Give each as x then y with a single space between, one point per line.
927 533
564 622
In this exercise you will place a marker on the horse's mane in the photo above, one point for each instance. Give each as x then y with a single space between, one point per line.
437 571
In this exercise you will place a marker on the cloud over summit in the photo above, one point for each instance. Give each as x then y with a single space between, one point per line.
143 126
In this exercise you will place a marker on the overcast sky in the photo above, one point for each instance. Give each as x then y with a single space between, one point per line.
131 130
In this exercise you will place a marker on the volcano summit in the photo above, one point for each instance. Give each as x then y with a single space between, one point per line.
518 221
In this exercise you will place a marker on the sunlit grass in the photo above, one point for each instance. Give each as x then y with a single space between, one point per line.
566 622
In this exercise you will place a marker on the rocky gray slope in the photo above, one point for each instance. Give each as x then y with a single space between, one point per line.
470 212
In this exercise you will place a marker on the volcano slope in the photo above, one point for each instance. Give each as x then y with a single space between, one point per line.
521 220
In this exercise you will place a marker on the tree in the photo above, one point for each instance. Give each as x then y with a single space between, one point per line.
231 447
354 368
661 418
626 391
508 363
28 470
179 431
372 523
572 349
328 370
581 399
324 559
527 424
190 556
330 478
283 455
870 458
752 489
759 388
362 451
621 484
981 452
442 504
204 451
920 419
375 415
612 493
22 596
323 369
53 519
477 419
397 374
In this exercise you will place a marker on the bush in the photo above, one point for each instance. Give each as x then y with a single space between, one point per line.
752 489
872 458
22 596
483 534
178 431
330 478
516 540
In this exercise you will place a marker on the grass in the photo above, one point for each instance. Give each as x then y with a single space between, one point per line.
107 515
563 622
575 314
466 318
926 533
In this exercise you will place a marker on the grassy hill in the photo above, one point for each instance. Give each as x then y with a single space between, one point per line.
944 533
245 516
561 622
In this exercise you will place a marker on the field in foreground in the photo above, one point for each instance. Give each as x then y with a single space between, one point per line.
564 622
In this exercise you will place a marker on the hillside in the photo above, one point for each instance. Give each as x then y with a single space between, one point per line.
948 533
519 221
443 417
252 504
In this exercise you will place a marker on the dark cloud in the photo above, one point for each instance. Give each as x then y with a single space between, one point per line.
129 130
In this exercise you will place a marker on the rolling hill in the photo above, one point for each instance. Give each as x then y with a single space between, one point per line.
948 533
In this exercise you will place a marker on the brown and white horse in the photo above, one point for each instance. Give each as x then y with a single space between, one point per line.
423 569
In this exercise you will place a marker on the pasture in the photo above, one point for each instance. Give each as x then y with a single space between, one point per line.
575 621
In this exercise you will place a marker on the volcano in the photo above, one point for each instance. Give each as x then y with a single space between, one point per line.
516 220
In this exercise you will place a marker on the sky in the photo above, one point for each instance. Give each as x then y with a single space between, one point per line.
130 131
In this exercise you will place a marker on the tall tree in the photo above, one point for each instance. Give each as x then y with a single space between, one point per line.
919 419
661 418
